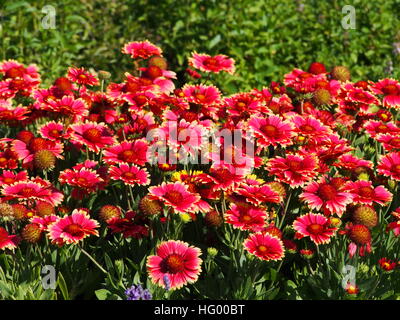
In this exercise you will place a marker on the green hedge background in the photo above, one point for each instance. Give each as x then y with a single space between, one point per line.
267 38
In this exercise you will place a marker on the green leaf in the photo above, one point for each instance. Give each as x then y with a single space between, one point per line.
102 294
63 286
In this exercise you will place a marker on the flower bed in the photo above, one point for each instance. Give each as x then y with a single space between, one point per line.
140 190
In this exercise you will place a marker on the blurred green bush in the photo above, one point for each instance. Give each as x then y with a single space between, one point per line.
266 37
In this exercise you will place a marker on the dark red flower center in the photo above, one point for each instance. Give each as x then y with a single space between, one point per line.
395 142
174 263
210 62
92 135
294 165
269 130
82 180
245 218
128 175
8 180
307 128
366 192
15 72
315 228
54 133
382 128
305 75
27 192
127 156
395 168
390 89
174 196
240 105
262 249
201 97
37 144
74 230
327 192
360 95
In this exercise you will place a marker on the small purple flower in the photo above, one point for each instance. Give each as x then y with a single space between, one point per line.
167 282
137 293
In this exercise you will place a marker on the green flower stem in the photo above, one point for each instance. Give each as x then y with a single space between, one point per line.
93 260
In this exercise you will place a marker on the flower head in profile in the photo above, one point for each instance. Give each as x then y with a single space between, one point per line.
73 228
390 89
141 49
176 259
389 165
8 241
365 193
215 64
29 190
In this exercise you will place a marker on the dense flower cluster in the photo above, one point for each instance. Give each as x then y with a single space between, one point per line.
279 166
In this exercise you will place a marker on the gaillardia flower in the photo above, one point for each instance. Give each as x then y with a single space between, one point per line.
73 228
265 246
315 226
176 259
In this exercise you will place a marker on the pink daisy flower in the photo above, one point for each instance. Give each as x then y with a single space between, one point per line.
53 131
73 228
32 190
326 195
244 105
7 241
271 131
95 136
265 246
365 193
302 81
374 128
27 151
83 178
82 77
44 222
131 152
10 177
215 64
225 176
12 69
257 195
315 226
13 114
390 89
201 94
389 141
141 49
309 127
361 96
351 162
131 175
176 261
389 165
175 195
246 217
68 106
294 170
